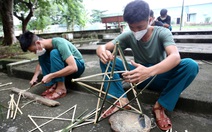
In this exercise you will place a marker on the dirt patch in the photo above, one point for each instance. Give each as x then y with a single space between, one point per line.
10 51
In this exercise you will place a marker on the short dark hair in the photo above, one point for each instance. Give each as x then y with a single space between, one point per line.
26 39
163 12
151 13
136 11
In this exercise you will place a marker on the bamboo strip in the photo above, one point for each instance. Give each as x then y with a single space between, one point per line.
138 93
117 101
98 100
17 107
73 122
35 123
44 117
127 69
36 84
95 75
12 106
5 89
73 115
2 85
9 108
27 103
88 86
102 80
80 121
108 85
19 97
53 118
82 124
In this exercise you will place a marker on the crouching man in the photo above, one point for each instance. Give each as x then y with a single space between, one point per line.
58 58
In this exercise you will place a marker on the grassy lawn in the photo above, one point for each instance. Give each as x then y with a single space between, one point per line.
10 51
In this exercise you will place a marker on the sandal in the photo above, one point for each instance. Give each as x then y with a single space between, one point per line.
163 120
56 95
111 110
49 90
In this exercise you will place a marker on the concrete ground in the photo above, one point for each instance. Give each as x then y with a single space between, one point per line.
192 113
182 121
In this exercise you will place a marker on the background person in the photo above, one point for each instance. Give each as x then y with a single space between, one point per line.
152 20
155 53
57 58
165 19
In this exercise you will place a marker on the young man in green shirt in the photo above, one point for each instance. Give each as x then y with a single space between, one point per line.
155 53
58 58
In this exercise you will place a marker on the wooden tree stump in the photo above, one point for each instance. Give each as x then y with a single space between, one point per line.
35 97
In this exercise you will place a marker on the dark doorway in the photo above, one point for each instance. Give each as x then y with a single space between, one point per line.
178 20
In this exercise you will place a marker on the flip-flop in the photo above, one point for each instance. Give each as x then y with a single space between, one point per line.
56 95
49 90
110 111
163 120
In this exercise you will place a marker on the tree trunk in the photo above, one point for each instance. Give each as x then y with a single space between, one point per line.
6 10
24 26
24 20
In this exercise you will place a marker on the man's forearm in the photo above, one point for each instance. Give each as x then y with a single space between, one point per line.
37 71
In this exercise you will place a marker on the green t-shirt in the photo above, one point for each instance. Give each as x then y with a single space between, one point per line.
150 52
66 48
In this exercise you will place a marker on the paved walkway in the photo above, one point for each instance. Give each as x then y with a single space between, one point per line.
182 121
196 98
192 113
198 51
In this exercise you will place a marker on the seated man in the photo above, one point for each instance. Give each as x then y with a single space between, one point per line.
152 20
165 19
155 53
58 58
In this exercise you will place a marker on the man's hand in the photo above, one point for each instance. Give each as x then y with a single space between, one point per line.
140 73
106 56
166 25
33 81
47 78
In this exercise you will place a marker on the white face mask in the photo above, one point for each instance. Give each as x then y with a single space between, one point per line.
139 35
40 52
162 18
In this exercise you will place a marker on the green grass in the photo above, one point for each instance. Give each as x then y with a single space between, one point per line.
9 51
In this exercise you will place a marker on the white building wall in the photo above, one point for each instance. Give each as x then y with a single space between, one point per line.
199 12
202 12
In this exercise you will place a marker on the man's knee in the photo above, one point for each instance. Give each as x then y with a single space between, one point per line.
54 53
191 65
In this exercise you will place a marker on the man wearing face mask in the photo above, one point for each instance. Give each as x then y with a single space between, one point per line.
155 53
165 19
152 21
59 60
